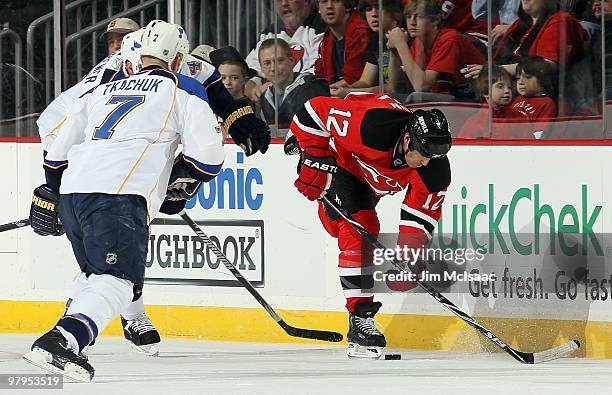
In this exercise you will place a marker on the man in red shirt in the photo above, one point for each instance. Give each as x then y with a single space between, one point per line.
437 54
379 148
342 53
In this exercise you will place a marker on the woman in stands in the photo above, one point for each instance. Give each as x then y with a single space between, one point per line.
541 30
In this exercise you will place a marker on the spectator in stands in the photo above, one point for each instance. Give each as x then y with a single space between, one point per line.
541 30
432 62
506 11
536 88
234 72
342 53
115 30
286 91
301 26
477 126
392 17
458 16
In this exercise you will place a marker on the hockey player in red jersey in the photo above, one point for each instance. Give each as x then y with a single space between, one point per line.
356 150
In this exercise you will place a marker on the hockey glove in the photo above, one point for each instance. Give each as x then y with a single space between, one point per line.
182 189
179 191
291 146
44 212
249 132
317 169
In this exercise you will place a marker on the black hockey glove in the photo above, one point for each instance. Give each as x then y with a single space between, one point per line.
181 187
44 212
291 146
249 132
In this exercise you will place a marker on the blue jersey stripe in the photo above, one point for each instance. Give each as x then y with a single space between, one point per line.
211 170
55 164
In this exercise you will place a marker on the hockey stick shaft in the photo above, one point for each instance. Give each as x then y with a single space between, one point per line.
15 225
290 330
518 355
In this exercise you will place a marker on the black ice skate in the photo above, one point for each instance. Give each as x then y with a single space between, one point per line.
141 334
52 353
365 340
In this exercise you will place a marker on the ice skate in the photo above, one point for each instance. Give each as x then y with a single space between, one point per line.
52 353
141 334
365 340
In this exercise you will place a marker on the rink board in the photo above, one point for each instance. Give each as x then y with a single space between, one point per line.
273 235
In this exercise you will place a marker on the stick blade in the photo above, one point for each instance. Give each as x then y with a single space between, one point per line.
315 334
556 352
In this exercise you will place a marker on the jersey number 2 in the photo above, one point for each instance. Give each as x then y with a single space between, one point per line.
126 104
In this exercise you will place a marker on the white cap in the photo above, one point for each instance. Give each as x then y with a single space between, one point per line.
161 40
130 50
121 25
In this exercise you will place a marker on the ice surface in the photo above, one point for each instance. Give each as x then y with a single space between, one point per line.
202 367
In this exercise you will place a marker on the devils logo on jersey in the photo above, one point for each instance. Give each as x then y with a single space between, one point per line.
297 51
381 184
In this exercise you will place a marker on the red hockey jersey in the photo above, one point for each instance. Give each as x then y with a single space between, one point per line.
362 130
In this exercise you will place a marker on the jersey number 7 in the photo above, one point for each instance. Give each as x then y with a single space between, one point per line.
126 104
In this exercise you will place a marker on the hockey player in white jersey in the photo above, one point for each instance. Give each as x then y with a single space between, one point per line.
108 171
247 131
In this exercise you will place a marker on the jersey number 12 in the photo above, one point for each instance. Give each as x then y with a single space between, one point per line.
126 104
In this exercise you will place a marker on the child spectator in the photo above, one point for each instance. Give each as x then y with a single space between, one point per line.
286 91
433 61
342 53
234 72
477 126
535 86
392 17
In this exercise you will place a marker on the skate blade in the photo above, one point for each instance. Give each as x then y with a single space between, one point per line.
362 352
72 372
151 350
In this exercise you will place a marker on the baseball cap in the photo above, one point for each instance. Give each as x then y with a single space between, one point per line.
203 52
224 54
121 25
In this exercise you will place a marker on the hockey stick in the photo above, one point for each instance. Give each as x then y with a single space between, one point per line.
524 357
290 330
15 225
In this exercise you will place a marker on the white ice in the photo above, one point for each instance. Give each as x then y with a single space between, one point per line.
203 367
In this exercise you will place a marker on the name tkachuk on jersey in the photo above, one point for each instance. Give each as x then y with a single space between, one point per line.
123 134
362 130
108 70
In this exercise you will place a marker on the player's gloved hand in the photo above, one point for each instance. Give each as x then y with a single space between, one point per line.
291 146
178 193
249 132
317 169
172 207
182 188
44 212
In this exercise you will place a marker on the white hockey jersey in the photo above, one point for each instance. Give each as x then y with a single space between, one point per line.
304 44
109 69
122 137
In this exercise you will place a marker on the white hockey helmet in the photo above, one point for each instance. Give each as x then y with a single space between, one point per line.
161 40
130 50
183 46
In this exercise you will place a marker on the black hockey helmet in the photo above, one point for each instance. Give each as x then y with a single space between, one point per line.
429 135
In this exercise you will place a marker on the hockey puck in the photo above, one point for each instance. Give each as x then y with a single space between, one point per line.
393 356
